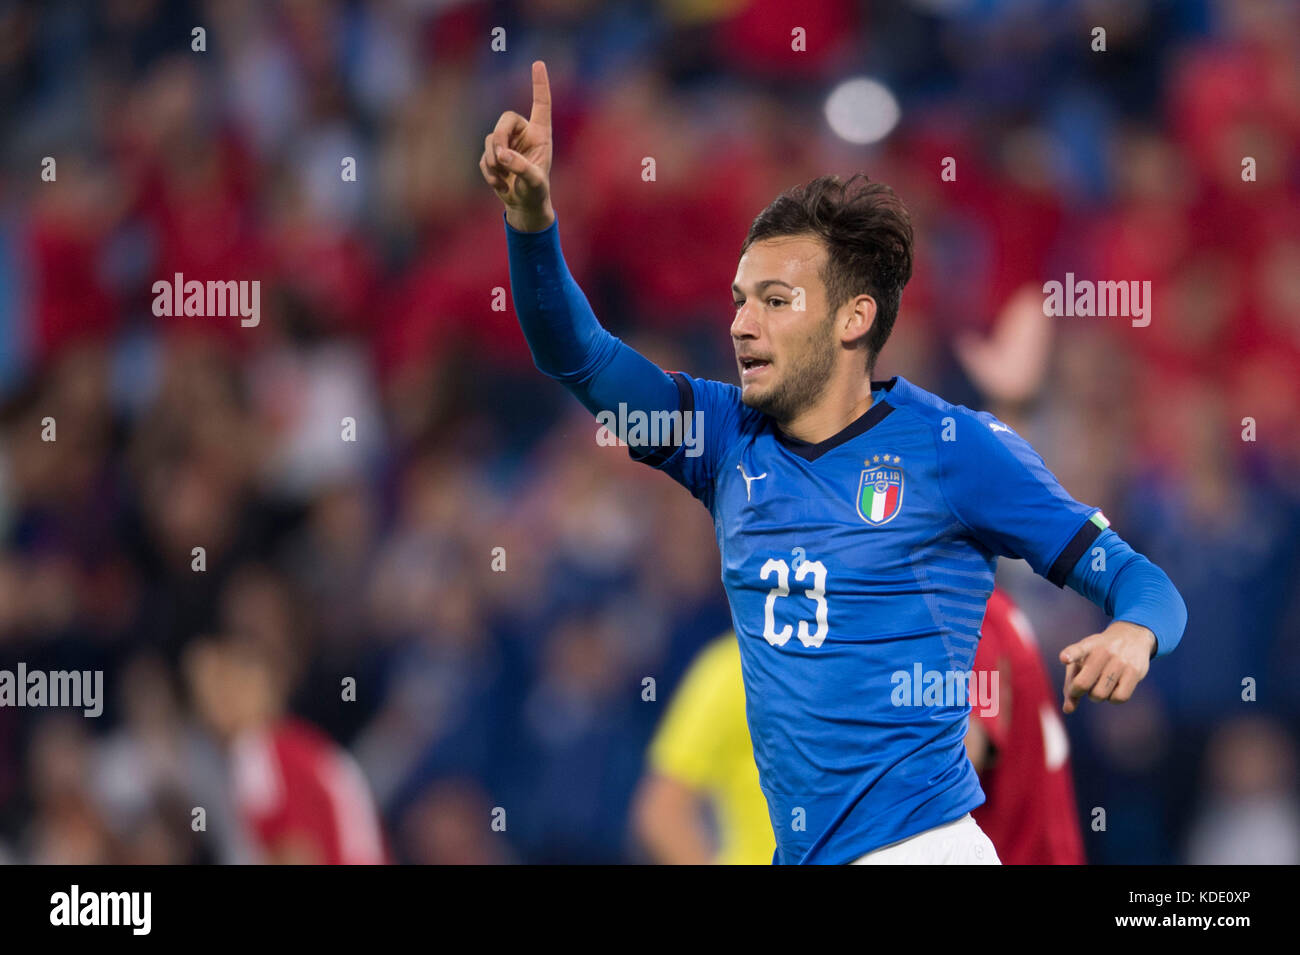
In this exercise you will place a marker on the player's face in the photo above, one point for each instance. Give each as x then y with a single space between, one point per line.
783 331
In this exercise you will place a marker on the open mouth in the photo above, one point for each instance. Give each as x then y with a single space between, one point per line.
751 366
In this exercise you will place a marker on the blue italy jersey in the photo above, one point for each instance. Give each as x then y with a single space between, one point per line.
858 570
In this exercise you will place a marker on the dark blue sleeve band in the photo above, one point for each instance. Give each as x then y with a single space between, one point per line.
1129 587
1081 543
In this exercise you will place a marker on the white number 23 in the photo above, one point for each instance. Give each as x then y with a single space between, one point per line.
816 593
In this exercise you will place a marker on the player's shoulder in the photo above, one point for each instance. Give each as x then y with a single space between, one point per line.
716 396
964 437
934 411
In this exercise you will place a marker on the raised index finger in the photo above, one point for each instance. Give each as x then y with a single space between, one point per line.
541 113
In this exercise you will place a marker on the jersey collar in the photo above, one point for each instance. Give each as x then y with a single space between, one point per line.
878 411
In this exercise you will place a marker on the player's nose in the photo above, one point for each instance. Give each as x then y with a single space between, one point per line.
744 325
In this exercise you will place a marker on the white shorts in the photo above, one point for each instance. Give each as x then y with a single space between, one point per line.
960 842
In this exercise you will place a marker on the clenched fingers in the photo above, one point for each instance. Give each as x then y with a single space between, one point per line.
531 173
495 173
508 128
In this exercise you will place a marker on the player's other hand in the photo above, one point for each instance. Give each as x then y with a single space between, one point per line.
1010 365
1107 665
516 160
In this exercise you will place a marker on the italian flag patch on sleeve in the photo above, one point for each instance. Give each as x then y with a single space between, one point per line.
1100 520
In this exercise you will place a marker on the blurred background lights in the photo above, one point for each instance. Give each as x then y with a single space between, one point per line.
862 110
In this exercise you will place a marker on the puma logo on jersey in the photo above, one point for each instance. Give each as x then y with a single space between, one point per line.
749 480
998 426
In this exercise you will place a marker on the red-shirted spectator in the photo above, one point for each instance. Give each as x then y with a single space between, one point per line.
302 798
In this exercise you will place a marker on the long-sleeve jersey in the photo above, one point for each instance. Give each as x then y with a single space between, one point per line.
857 568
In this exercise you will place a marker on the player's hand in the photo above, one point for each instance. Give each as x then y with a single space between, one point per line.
516 160
1107 665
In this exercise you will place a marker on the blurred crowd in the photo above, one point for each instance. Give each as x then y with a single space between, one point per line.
496 585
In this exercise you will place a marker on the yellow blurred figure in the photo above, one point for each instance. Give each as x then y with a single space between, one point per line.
702 759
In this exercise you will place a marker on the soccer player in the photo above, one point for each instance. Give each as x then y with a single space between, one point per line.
701 764
859 522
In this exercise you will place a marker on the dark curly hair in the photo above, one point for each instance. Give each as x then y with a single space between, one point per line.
868 237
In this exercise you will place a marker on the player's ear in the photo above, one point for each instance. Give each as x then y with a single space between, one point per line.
858 316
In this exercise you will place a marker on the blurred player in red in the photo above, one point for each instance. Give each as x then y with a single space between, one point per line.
301 796
1019 748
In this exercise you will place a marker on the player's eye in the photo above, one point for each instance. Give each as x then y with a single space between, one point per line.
737 303
779 301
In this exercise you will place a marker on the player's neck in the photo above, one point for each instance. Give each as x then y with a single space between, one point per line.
831 415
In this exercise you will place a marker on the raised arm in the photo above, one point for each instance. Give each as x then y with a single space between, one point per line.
566 340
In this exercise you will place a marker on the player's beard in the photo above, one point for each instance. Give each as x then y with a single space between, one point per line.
803 380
